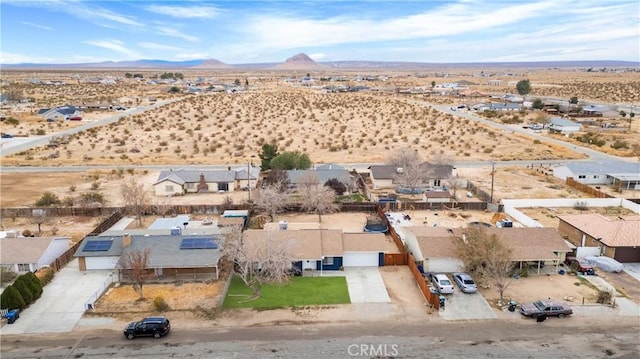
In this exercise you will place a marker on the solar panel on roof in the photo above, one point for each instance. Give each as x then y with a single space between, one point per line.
198 243
98 246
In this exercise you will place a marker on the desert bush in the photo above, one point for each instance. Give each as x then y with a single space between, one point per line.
45 275
160 304
604 297
620 144
47 199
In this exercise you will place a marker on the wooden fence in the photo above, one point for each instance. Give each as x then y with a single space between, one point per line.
587 189
396 259
65 258
108 222
432 299
58 211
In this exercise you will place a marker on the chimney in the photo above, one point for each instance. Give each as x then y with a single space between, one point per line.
399 170
126 240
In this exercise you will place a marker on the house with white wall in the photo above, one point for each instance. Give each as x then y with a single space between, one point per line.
28 254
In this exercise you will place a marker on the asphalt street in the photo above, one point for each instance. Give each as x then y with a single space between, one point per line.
553 338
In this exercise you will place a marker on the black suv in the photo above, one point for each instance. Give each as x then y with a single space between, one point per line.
148 327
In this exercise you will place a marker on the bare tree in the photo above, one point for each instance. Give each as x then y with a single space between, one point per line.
487 256
271 200
320 200
162 206
135 198
410 173
39 217
454 182
135 265
258 261
307 181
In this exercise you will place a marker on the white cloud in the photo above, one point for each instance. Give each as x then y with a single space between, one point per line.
37 26
318 56
175 33
11 58
186 12
114 45
155 46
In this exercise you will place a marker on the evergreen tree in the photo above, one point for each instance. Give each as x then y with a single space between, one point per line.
11 299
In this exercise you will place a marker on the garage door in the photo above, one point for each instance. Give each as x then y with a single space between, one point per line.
101 262
360 260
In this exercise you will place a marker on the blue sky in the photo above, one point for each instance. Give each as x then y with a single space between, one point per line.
235 32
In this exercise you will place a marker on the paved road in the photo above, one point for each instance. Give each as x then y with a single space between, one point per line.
19 144
555 338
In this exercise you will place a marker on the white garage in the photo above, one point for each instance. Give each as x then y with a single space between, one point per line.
92 263
360 259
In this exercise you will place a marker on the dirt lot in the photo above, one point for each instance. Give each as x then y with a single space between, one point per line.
558 287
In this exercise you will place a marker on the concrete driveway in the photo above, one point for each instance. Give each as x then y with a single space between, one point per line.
366 285
463 306
62 303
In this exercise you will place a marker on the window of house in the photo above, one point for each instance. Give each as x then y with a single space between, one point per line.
436 183
327 261
582 176
191 185
168 188
595 176
23 267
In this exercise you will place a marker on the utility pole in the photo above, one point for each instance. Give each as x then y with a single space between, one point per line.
249 180
493 171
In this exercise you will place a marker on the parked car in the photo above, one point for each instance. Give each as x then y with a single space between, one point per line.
148 327
465 282
607 264
546 308
75 118
6 135
442 283
580 265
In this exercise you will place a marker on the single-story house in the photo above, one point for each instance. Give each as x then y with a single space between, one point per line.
562 125
625 175
617 238
63 112
496 106
436 196
594 110
28 254
387 176
326 249
171 257
179 182
433 247
323 174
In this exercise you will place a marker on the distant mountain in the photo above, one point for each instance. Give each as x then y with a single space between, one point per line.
303 62
212 64
300 62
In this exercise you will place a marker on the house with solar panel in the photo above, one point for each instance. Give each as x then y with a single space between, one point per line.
171 257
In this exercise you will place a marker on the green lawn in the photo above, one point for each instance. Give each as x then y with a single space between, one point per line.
300 291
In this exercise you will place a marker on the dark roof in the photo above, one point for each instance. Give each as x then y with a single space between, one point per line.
165 250
323 175
391 171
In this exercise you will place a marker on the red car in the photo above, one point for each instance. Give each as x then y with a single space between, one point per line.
76 118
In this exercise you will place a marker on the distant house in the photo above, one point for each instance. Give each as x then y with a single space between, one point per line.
594 110
31 253
434 249
386 176
623 175
323 174
63 112
617 238
561 125
171 257
182 181
326 249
